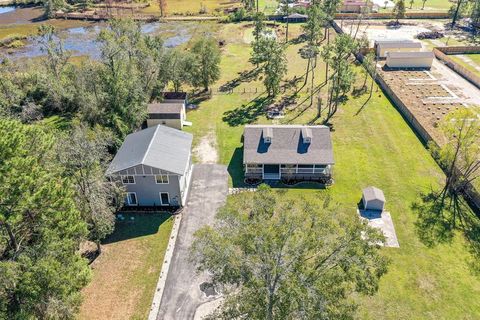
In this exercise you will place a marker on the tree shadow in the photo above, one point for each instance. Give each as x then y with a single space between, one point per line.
244 76
134 225
440 216
235 168
246 113
198 97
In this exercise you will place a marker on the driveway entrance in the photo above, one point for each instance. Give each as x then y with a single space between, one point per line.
184 290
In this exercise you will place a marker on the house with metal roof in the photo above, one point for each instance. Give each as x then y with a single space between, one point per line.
373 199
155 166
288 152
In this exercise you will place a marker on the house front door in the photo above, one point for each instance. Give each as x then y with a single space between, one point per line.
164 199
271 171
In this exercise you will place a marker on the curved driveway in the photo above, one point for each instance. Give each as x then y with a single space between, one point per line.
182 296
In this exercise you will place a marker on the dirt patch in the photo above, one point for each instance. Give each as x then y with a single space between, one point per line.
206 151
23 15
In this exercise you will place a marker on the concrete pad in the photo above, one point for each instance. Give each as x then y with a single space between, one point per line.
383 221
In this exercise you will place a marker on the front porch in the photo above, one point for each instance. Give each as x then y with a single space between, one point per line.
289 172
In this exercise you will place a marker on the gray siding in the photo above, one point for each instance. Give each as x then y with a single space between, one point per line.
373 205
148 191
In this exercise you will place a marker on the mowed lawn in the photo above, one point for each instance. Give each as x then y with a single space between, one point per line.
472 64
373 145
126 273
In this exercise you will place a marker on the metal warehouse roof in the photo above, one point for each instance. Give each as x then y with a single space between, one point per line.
413 54
159 147
398 44
287 145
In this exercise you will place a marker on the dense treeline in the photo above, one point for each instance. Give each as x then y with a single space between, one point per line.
60 123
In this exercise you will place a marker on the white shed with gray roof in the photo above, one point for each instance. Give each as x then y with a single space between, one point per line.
373 199
155 166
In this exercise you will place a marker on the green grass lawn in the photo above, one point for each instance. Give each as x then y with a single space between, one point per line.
125 274
373 145
430 5
473 66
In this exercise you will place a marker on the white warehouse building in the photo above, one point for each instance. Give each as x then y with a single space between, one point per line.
384 46
423 59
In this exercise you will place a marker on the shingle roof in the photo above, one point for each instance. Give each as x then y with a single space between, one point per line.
287 146
164 107
159 147
372 193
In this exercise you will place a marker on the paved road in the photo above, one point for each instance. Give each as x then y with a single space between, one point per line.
182 295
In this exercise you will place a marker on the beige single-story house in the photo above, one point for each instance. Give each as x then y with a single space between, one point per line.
384 46
288 152
422 59
170 114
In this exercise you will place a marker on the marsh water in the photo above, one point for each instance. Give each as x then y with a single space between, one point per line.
81 41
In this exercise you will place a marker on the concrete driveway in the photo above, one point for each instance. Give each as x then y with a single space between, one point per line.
182 295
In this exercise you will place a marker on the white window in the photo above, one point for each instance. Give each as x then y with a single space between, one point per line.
132 199
161 178
128 179
164 199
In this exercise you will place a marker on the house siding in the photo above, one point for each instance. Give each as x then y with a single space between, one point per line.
148 191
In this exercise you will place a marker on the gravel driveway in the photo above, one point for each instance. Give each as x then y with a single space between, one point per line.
182 295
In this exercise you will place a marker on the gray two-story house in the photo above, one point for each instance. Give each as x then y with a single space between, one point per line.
155 166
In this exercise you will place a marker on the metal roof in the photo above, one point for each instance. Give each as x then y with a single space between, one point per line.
287 145
413 54
398 44
159 147
372 193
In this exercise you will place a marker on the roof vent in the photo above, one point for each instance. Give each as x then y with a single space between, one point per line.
307 135
267 135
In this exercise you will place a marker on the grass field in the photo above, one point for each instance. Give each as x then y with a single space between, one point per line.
126 273
469 61
182 7
373 145
430 5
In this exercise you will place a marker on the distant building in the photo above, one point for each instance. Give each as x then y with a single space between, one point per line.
384 46
356 6
155 166
287 152
400 60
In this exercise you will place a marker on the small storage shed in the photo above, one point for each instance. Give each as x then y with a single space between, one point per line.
373 199
410 59
384 46
170 114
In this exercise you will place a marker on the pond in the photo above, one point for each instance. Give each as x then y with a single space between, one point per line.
81 41
7 9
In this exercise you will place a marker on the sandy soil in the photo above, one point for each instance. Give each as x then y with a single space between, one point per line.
22 15
206 151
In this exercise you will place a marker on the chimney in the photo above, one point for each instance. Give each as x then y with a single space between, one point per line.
306 135
267 134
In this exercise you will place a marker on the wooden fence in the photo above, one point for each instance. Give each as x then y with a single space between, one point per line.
471 195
